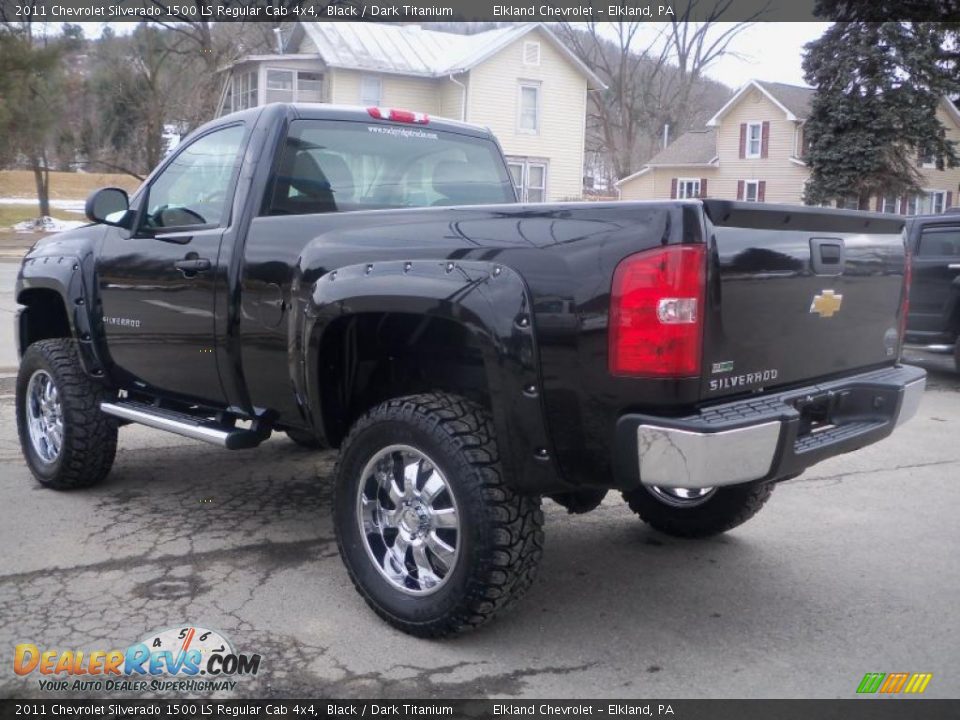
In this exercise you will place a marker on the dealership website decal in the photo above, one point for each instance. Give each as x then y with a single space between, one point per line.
168 660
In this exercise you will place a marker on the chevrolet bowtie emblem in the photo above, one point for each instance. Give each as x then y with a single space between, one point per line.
826 304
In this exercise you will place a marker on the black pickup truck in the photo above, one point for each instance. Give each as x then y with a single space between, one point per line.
933 322
364 279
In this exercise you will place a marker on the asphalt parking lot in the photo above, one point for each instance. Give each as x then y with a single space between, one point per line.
852 568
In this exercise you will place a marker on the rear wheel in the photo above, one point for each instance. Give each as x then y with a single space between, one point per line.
66 441
698 513
432 536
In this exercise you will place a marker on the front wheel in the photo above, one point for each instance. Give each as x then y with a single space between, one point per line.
67 442
698 513
432 536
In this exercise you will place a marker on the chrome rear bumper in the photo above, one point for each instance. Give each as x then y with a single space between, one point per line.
768 437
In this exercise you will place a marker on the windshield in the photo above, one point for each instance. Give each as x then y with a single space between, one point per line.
337 166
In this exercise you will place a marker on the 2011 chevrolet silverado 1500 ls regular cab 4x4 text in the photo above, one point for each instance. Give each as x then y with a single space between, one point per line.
364 279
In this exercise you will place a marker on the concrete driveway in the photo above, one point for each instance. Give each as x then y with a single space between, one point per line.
852 568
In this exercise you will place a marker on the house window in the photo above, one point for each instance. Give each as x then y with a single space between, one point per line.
890 205
688 188
529 179
913 204
531 53
309 87
851 202
528 119
754 139
934 202
280 86
371 90
294 86
751 191
244 93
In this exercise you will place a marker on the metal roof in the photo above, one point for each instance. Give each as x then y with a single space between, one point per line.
413 50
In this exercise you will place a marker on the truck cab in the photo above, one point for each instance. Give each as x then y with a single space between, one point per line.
934 319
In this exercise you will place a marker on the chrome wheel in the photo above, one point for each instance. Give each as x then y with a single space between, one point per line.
409 519
44 416
681 497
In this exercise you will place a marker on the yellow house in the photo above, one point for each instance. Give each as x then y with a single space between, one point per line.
753 150
519 81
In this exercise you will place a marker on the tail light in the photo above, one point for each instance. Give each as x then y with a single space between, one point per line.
905 300
404 116
656 312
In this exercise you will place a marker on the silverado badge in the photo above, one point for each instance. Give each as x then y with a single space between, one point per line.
826 304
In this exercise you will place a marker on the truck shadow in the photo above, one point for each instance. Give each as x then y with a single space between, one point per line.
606 569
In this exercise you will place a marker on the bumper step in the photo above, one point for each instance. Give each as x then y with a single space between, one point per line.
195 427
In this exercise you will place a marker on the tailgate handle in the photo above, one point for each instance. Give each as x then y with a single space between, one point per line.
827 256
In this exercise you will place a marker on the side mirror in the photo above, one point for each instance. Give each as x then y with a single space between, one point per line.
109 206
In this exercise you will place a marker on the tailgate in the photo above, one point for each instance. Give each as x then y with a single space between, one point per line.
797 294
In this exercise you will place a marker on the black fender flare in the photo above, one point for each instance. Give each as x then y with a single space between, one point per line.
69 277
492 302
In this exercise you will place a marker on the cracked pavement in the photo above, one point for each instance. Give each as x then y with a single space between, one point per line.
853 567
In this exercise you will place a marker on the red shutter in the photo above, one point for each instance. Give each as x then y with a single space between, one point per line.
949 199
739 189
764 139
703 190
903 205
879 203
673 188
743 140
761 190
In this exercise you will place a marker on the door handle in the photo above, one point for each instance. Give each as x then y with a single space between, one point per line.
953 266
192 265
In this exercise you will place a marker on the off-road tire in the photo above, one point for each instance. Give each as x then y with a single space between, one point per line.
726 509
89 437
501 531
305 439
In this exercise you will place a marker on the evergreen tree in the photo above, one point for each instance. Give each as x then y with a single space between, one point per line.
873 117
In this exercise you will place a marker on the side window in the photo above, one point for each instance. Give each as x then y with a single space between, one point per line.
940 243
193 189
371 90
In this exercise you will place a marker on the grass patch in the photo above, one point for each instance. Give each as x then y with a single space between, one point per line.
12 214
63 185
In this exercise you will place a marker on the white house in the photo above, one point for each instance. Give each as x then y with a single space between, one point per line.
521 82
754 149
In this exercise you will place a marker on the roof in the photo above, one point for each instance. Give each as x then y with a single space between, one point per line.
412 50
696 147
793 100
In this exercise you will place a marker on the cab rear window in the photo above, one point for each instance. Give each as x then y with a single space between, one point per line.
939 242
339 166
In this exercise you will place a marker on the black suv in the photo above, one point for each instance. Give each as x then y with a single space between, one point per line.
934 318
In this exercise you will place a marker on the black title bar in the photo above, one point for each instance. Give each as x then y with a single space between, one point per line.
427 11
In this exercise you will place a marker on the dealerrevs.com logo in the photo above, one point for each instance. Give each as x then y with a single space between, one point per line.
187 659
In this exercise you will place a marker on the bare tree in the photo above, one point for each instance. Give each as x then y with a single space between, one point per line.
654 76
31 102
